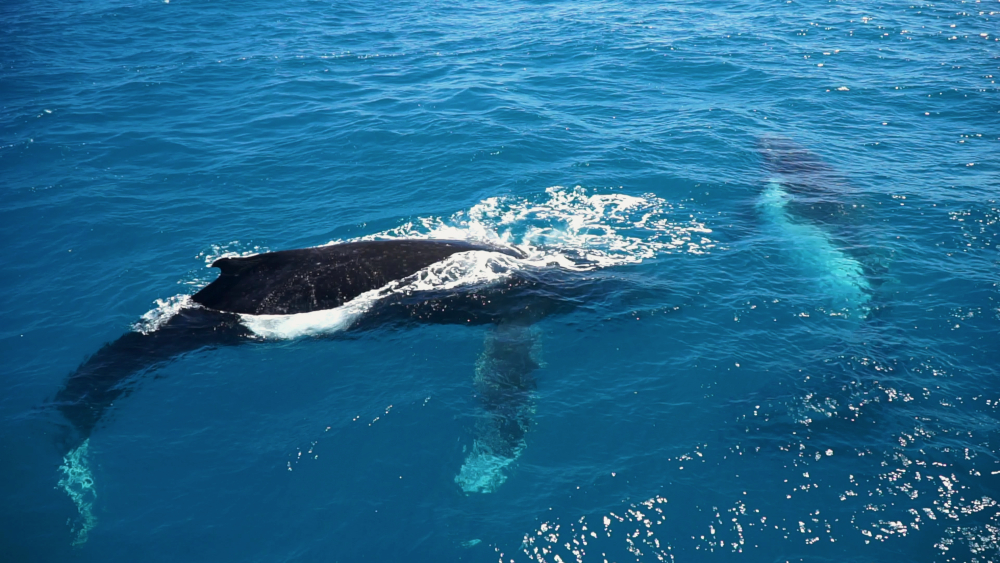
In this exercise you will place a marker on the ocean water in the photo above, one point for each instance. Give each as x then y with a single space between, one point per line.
767 234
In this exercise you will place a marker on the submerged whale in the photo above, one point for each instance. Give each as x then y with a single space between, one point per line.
809 206
307 280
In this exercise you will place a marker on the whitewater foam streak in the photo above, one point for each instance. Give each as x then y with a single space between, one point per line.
286 327
165 309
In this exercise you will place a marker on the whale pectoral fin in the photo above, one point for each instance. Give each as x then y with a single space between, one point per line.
112 371
77 482
504 381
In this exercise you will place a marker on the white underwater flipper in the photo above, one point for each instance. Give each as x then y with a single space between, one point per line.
78 482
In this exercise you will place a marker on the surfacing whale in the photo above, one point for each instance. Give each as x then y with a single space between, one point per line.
288 282
307 280
273 283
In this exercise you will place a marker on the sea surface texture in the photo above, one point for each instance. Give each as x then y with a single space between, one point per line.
754 315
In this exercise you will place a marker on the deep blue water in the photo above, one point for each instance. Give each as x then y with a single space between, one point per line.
752 361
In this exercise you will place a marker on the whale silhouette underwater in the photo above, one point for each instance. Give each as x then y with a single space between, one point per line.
824 227
292 282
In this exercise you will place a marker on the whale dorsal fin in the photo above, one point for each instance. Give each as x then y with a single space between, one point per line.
235 265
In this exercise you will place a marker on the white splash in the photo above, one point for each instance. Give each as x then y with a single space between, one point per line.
78 483
572 228
839 276
164 310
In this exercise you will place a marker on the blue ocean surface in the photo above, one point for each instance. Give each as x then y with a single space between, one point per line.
765 234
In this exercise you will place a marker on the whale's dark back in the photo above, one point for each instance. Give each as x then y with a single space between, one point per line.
312 279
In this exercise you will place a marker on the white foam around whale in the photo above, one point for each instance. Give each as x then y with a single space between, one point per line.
165 308
569 228
566 228
572 228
